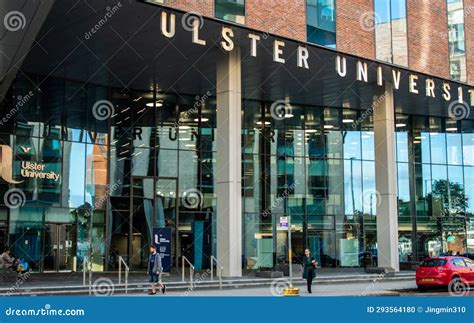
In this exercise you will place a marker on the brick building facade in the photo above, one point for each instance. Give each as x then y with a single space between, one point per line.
427 29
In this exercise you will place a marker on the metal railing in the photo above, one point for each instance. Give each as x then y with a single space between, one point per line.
191 270
219 270
87 268
127 269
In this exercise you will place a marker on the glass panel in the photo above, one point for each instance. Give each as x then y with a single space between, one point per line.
26 242
404 189
232 10
457 48
391 31
322 246
143 220
369 195
353 187
74 171
321 22
165 203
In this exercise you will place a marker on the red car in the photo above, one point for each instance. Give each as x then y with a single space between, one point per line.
453 272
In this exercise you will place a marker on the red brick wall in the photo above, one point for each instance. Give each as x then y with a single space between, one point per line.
284 17
428 37
469 34
355 28
279 17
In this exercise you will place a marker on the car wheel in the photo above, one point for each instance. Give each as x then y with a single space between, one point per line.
457 287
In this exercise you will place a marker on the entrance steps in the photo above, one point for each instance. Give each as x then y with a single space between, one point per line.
104 284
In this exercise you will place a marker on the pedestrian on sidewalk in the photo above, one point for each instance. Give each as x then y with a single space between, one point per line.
154 270
309 271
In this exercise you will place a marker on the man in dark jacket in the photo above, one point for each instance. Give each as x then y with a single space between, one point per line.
154 270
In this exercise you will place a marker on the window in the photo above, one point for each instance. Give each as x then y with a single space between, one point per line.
457 54
433 263
458 262
231 10
391 31
321 22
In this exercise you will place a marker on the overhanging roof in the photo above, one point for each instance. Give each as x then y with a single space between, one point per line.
129 51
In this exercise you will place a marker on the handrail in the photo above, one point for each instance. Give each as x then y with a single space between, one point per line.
221 269
191 270
87 267
127 269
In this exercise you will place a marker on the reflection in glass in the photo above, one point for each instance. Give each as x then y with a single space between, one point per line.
321 22
391 31
232 10
457 50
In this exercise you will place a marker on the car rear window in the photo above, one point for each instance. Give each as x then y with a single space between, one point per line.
433 263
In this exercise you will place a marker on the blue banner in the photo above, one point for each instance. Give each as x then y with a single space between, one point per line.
162 241
237 309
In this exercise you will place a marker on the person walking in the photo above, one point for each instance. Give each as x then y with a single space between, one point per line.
154 270
309 271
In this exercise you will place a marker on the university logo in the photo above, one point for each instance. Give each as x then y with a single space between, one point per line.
6 164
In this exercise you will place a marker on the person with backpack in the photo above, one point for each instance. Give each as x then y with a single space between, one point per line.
154 270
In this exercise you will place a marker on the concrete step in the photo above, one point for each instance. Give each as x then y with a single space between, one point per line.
107 286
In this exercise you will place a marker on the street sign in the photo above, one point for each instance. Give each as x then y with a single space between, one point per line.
283 222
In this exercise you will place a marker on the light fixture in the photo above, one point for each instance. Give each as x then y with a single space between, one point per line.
260 122
156 104
311 130
400 125
347 120
289 115
451 129
328 126
202 120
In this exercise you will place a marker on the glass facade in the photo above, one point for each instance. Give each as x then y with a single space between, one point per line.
98 186
231 10
317 166
112 182
457 45
435 190
391 31
321 22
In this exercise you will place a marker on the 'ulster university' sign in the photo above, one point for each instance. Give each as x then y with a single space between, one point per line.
417 85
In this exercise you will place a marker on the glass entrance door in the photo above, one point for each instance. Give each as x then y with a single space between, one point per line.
59 242
154 206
